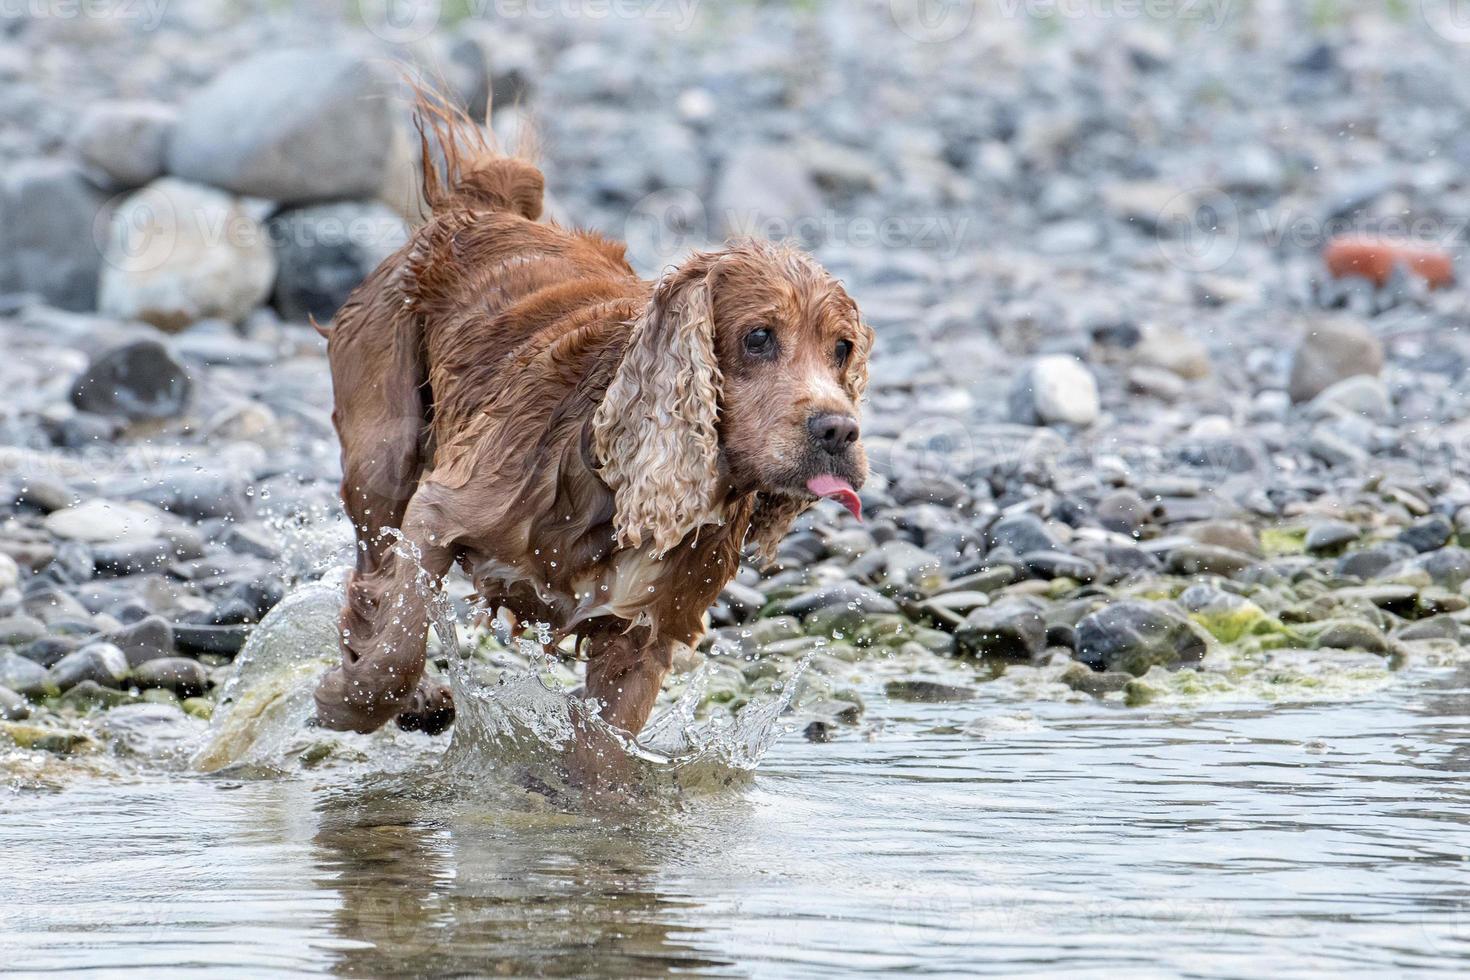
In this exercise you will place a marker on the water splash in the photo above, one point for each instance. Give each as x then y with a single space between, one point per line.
268 700
516 711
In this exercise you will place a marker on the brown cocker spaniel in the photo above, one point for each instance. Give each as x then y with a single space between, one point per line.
593 450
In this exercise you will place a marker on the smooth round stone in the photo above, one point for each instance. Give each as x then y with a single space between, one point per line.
1369 562
1011 628
24 676
851 594
1021 533
1134 635
21 629
1059 564
13 707
1429 534
1350 634
104 521
100 663
147 639
928 692
1204 559
184 677
1330 537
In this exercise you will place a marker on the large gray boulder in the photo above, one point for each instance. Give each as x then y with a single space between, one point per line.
766 191
293 126
49 220
124 141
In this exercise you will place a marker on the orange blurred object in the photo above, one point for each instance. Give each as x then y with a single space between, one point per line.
1374 259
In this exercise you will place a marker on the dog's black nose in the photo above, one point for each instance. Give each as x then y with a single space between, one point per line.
833 432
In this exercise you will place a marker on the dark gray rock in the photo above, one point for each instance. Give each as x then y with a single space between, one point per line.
1021 533
1429 534
196 495
205 638
138 380
1059 564
1331 537
49 219
1123 511
294 126
1369 562
323 252
132 557
49 649
1011 628
1448 567
147 639
1134 635
1434 628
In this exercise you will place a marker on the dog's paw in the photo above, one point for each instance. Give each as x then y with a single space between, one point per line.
429 710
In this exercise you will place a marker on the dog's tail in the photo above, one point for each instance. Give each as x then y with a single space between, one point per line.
463 169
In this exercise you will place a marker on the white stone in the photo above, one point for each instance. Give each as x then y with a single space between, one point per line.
105 521
1056 389
179 252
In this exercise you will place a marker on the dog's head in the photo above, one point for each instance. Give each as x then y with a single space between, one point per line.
743 376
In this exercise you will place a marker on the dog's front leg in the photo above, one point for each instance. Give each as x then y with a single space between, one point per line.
384 625
625 671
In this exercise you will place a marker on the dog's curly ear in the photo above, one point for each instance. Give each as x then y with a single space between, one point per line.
656 432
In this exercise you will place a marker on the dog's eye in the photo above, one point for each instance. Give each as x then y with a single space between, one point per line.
844 351
760 340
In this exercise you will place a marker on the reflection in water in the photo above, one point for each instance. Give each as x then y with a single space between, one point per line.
439 886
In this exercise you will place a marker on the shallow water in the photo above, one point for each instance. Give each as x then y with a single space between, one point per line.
1000 835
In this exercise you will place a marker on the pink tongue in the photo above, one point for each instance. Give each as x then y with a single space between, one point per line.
839 490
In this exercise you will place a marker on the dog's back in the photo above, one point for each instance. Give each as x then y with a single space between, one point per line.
425 343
